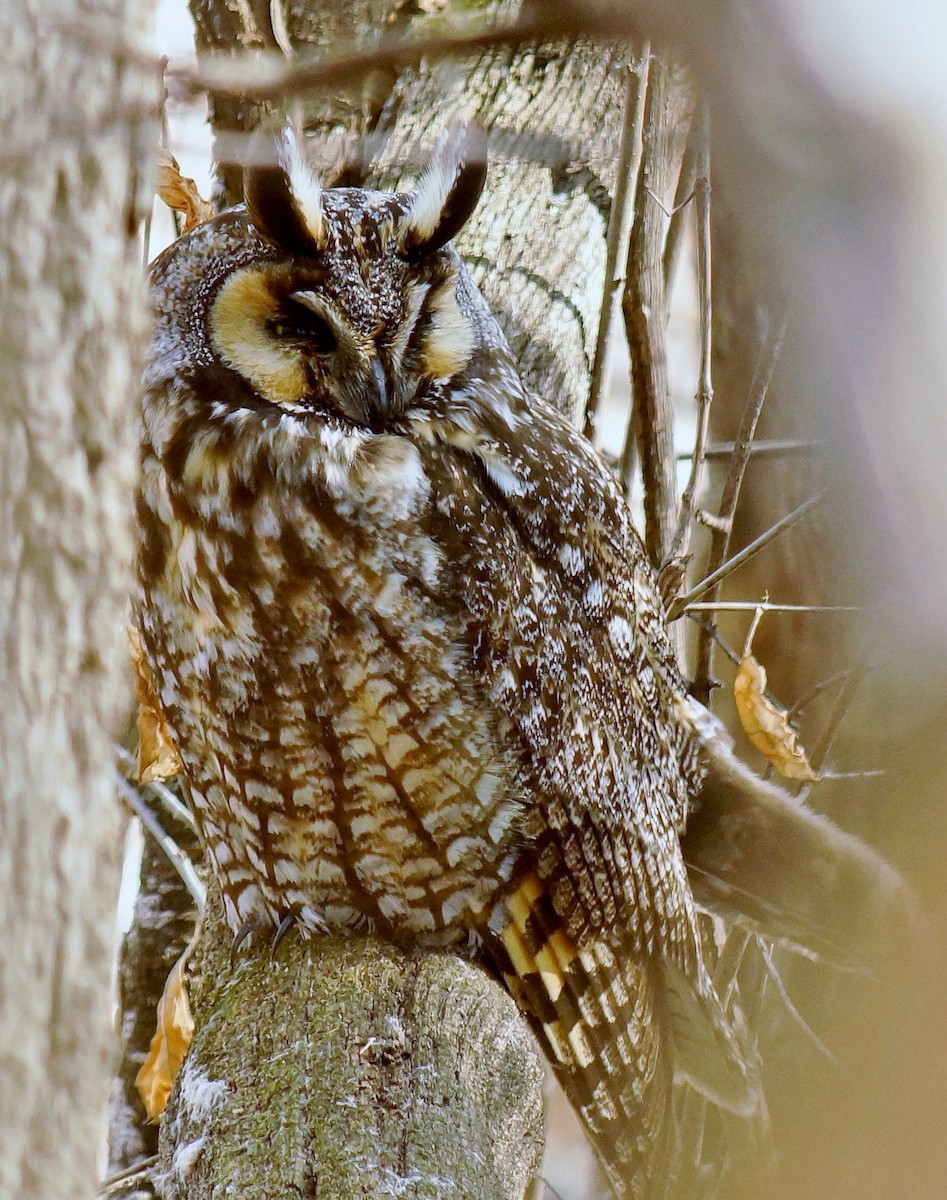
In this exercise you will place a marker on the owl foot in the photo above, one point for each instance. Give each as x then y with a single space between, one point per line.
238 939
287 922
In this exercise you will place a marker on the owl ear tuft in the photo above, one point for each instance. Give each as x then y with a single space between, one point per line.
446 195
284 197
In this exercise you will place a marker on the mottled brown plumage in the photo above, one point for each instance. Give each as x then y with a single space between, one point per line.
409 645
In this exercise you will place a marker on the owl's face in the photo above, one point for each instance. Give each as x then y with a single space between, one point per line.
343 306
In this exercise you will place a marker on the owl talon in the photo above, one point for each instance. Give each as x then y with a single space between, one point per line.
285 925
238 939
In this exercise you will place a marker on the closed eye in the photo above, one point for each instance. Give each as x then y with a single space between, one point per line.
299 325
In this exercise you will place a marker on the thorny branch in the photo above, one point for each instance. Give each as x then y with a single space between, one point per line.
769 448
720 538
677 224
679 606
820 751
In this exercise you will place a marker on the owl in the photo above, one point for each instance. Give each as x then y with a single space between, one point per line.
409 645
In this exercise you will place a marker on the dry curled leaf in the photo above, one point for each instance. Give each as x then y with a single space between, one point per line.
181 194
169 1044
766 725
157 755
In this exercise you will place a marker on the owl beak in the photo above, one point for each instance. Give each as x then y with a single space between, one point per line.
377 399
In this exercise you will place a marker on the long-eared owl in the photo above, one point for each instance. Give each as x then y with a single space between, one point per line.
409 645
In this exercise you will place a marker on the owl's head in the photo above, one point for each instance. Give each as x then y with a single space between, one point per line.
343 303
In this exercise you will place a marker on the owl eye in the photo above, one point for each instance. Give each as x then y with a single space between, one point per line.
299 324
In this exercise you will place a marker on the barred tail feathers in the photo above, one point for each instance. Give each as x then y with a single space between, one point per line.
600 1024
616 1028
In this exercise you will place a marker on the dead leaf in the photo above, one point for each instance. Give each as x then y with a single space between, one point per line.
169 1044
157 755
181 194
766 725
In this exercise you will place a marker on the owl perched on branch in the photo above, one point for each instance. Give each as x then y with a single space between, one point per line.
411 651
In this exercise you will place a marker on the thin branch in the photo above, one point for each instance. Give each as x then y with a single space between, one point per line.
679 606
705 391
756 449
619 230
714 632
122 1179
686 183
720 538
752 606
166 136
176 856
175 807
729 960
820 751
643 309
730 496
774 975
807 697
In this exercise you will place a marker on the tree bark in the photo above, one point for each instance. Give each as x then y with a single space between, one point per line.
77 125
346 1068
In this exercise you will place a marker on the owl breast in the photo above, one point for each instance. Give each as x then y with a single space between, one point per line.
314 665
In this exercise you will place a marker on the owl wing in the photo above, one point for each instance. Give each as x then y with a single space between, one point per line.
597 938
570 644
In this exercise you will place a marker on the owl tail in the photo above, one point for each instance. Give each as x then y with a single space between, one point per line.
616 1029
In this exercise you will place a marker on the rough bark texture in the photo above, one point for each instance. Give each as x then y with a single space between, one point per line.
536 244
72 309
353 1071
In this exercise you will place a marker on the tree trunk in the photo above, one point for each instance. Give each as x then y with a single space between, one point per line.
348 1069
77 127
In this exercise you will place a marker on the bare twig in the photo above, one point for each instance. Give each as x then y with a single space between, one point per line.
720 539
643 309
807 697
176 856
619 229
686 182
705 389
820 751
752 606
175 807
166 135
776 979
706 585
756 449
123 1179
